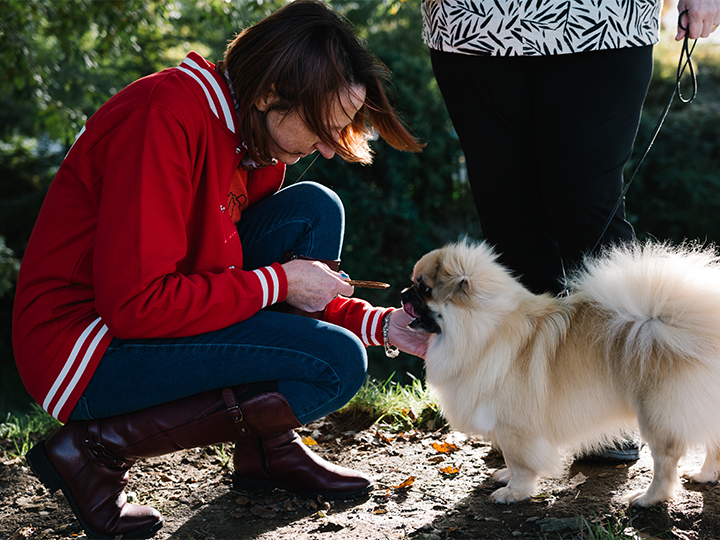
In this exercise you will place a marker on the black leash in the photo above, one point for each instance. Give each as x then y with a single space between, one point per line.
685 53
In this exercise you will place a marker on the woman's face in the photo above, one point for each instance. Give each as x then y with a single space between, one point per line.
292 139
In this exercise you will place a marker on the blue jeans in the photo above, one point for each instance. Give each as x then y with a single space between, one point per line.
319 366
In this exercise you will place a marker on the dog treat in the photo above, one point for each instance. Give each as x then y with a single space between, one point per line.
368 284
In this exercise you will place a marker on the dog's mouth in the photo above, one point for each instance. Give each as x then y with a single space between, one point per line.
410 310
415 306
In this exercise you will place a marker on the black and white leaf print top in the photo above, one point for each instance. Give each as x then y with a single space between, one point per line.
539 27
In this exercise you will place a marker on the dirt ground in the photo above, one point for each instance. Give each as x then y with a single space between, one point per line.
428 485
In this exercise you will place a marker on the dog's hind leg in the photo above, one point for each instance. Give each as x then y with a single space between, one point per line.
710 470
666 456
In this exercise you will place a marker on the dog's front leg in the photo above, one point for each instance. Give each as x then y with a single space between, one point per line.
519 476
526 459
520 481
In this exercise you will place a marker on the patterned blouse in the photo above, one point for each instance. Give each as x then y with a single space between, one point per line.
539 27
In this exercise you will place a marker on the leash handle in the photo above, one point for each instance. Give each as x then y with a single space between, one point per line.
686 55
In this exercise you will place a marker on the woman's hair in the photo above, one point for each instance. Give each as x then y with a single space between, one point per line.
308 56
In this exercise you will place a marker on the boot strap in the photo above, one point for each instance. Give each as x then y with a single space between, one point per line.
103 456
234 410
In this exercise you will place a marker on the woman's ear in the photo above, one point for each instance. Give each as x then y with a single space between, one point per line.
264 102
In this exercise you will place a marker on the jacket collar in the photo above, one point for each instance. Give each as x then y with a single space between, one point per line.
214 87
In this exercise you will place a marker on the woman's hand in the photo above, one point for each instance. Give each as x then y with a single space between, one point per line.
312 285
404 338
701 20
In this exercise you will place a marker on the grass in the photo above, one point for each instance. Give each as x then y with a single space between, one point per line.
395 406
612 528
17 435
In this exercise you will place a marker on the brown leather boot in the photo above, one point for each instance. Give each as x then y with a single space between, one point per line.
89 460
277 458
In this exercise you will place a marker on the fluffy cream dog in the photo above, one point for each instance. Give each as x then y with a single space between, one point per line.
636 344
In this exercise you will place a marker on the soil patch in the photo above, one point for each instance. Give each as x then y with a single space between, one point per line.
428 485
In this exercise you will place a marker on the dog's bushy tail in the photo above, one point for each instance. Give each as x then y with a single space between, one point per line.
662 302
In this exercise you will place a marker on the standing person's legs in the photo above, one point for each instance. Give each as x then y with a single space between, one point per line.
489 100
589 105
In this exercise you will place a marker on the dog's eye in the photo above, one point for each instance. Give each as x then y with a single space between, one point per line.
424 289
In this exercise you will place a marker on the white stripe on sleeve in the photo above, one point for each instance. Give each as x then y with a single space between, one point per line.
374 327
263 282
275 284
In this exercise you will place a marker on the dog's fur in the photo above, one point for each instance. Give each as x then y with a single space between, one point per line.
636 344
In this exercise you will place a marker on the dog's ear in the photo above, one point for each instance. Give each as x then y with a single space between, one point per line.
451 286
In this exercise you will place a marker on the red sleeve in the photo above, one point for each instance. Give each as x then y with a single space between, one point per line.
143 287
358 316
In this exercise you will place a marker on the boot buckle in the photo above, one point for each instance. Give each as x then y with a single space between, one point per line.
235 413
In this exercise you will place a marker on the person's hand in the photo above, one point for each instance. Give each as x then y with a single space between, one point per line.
312 285
701 20
404 338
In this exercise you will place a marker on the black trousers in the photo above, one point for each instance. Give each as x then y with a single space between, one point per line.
545 141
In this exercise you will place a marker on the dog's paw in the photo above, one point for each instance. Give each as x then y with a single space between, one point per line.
642 498
702 476
506 495
502 476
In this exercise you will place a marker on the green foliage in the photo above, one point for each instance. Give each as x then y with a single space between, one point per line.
17 435
676 193
396 406
9 267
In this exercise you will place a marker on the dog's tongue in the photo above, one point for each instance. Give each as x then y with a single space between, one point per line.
408 308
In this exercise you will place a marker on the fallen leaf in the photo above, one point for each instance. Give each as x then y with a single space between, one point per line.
240 513
309 441
263 512
406 484
25 532
576 480
450 470
445 447
384 438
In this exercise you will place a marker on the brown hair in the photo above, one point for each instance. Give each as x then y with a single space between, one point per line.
308 56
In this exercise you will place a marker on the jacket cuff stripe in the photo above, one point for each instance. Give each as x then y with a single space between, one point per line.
376 327
369 327
270 283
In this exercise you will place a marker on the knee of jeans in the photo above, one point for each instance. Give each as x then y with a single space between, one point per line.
324 202
351 368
